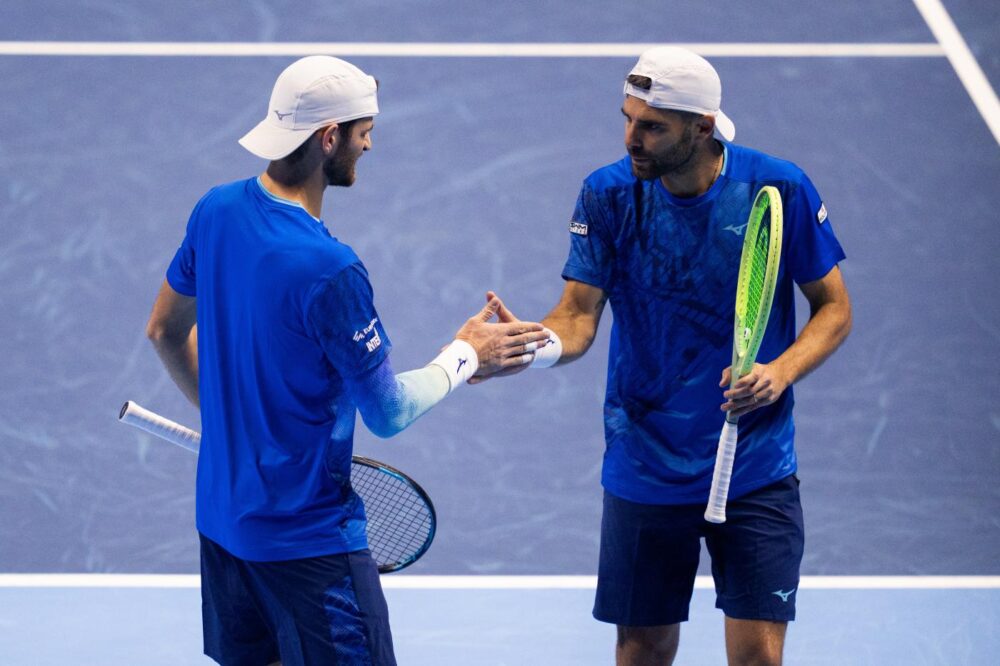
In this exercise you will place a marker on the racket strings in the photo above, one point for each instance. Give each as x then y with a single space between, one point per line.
751 290
758 272
399 519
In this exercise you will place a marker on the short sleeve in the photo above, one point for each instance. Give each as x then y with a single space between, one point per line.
340 313
812 249
181 272
591 248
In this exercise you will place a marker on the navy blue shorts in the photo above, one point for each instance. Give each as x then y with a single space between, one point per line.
318 610
649 558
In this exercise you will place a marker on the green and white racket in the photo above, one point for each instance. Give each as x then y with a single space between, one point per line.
754 293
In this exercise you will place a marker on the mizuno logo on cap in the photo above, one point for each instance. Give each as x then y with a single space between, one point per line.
282 116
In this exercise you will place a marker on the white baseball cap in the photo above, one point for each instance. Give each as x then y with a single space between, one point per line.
312 92
682 81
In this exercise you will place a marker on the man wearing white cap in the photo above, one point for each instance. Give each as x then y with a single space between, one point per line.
659 235
268 323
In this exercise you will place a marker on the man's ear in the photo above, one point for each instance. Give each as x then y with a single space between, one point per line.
328 138
705 126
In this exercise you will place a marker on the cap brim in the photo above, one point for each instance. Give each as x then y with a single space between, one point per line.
273 143
724 126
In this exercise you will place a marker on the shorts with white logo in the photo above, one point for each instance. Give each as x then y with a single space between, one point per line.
318 610
649 558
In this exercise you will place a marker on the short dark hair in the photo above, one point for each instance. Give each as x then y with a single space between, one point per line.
347 126
643 82
296 155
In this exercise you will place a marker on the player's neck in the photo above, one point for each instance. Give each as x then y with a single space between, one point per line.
308 192
699 174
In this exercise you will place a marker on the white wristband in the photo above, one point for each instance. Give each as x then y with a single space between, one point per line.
459 361
549 353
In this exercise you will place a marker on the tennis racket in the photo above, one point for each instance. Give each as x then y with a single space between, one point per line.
401 517
754 293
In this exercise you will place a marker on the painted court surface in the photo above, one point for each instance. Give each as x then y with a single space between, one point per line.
118 116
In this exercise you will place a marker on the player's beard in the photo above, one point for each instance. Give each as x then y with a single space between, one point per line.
339 168
675 159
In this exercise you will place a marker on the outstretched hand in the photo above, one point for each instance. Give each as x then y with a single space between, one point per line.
504 348
762 386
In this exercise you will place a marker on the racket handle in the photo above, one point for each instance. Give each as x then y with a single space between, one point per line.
154 424
716 511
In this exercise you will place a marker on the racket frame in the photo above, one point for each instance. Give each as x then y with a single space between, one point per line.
747 339
389 567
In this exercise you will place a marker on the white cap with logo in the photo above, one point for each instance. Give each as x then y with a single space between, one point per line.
312 92
682 81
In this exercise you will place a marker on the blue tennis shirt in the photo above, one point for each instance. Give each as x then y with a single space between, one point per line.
669 267
285 313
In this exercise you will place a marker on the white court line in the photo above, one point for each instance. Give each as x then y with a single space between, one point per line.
961 58
416 582
465 50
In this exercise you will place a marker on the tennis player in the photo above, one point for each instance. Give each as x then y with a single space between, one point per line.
658 234
268 323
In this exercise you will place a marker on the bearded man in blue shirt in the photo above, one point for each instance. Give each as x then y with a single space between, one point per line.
658 236
268 323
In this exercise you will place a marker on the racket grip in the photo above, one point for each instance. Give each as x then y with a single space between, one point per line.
154 424
716 510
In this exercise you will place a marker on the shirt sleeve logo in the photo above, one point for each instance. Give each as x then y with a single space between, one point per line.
821 214
577 228
375 342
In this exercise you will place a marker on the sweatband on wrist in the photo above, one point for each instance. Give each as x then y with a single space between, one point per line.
549 353
459 361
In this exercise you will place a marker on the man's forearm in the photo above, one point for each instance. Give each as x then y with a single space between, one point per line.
575 320
173 330
180 357
389 403
825 331
575 334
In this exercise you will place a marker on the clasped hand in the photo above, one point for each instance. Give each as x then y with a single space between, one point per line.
505 346
762 386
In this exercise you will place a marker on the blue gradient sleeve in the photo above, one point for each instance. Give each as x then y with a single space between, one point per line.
389 403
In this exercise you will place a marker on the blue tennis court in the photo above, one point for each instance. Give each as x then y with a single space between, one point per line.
492 625
119 115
